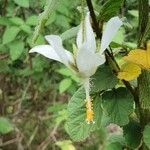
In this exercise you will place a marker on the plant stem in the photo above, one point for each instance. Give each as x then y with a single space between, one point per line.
144 79
143 20
111 57
4 6
93 16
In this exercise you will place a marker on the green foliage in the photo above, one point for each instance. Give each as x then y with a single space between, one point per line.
71 33
5 126
16 49
77 127
132 133
64 85
146 135
22 3
106 79
110 9
48 10
65 145
10 34
113 146
17 21
118 104
32 20
34 91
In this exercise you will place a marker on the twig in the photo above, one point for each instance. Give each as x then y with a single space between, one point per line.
45 143
19 137
9 142
23 97
4 7
32 136
3 56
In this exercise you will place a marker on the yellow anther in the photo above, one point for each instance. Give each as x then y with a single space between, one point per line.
89 112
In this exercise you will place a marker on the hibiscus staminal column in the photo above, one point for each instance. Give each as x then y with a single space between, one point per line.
88 100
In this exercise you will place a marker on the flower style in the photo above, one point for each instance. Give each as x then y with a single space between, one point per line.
86 59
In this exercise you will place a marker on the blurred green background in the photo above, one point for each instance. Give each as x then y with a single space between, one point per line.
34 91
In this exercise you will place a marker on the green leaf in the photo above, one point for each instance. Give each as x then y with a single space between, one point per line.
26 28
113 146
62 21
65 145
5 125
132 133
22 3
71 33
16 49
51 19
77 127
120 36
64 71
32 20
64 85
118 104
134 13
4 21
62 116
10 34
115 141
4 66
56 107
110 9
146 135
39 63
104 79
116 137
16 21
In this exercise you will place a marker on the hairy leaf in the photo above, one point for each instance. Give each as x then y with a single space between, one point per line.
104 79
132 133
118 104
113 146
78 128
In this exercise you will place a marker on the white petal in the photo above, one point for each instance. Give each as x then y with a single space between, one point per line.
47 51
111 29
102 58
89 37
56 42
87 62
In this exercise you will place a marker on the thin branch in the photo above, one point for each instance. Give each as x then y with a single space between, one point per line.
4 7
45 143
15 140
111 57
32 136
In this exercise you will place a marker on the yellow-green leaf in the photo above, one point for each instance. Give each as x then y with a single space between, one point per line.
140 57
65 145
129 71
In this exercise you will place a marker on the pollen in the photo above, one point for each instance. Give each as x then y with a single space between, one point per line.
89 112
